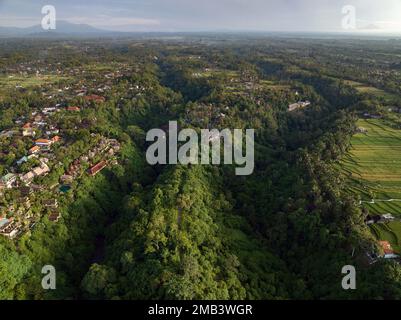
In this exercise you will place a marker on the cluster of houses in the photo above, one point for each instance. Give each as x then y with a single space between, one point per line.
106 149
15 222
40 147
39 128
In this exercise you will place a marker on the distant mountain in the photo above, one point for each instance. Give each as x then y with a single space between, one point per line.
63 28
370 27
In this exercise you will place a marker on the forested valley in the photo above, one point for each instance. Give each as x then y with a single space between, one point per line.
136 231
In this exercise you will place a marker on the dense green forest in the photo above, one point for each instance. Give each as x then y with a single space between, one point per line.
136 231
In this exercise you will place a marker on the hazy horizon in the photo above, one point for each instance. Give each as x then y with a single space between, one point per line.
211 16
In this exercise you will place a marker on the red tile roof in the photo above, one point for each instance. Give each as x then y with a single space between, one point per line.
73 108
43 141
97 168
386 246
34 149
94 97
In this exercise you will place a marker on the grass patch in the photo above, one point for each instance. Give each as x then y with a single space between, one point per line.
12 81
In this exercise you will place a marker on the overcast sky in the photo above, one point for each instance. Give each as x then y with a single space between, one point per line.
207 15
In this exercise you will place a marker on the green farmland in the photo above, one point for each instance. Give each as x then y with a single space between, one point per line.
365 88
373 168
8 83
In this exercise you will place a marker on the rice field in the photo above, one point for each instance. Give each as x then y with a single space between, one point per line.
373 169
373 166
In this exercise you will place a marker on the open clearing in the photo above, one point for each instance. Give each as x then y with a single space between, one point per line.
12 81
365 88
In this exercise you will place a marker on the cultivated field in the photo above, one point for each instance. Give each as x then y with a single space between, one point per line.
12 81
373 167
365 88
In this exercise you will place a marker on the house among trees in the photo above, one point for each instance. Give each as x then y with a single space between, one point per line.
95 98
27 130
66 178
97 168
41 170
43 143
388 250
8 180
54 215
8 227
387 217
27 178
299 104
52 203
34 149
74 109
22 160
55 139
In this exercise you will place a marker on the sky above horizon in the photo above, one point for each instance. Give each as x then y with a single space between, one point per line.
209 15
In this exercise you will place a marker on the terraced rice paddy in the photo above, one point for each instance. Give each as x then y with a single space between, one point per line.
373 167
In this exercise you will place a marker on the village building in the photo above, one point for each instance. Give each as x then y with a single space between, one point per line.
54 216
388 250
11 230
27 178
55 139
22 160
34 150
73 108
3 222
299 104
43 143
41 170
387 217
361 130
38 118
8 180
52 203
49 110
66 179
28 131
95 98
97 168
